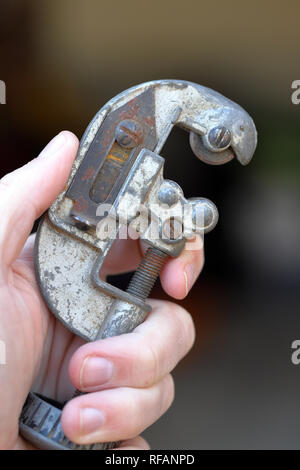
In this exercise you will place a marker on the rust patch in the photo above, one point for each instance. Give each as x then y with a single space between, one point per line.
81 205
89 173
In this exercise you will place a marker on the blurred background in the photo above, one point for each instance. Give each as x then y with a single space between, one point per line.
62 60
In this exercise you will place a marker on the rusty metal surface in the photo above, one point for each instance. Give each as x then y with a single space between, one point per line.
99 178
129 173
65 278
118 164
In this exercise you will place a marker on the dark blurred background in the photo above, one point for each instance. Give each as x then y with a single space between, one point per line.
62 60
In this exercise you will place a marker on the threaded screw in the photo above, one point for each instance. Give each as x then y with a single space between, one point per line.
146 274
219 137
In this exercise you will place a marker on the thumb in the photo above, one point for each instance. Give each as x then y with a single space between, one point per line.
28 191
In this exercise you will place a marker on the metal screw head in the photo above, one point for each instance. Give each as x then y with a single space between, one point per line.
204 215
168 194
128 133
172 229
219 137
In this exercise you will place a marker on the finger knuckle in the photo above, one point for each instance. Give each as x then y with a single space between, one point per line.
185 328
171 386
132 427
151 364
168 393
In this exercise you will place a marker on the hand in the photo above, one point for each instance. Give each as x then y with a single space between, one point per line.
128 377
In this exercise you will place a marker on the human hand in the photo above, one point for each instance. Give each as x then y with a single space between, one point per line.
127 377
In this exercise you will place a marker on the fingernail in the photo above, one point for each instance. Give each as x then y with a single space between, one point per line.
90 420
95 371
54 145
189 277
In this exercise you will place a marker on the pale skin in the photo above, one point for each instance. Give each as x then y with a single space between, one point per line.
128 377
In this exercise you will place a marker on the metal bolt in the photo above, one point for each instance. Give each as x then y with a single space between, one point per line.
146 274
168 195
202 215
128 133
219 137
172 229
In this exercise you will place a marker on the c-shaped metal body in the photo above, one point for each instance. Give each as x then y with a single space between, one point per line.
118 173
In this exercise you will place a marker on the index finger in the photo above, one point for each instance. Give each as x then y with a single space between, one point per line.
178 274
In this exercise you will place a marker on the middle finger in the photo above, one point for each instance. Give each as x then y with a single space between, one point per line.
138 359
